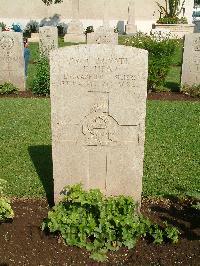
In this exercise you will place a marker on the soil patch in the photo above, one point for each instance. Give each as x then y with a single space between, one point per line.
163 96
23 243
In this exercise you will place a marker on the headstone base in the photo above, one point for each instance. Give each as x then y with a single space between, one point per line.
131 29
73 37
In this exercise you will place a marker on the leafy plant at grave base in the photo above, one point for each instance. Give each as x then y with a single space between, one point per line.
8 88
87 219
193 91
169 14
195 196
41 82
161 53
6 211
2 25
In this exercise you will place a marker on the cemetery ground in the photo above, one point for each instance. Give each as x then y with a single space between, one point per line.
170 183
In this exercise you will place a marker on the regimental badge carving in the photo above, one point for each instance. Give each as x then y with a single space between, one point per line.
99 129
197 44
6 42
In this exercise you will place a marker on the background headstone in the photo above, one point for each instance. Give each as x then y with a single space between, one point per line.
98 105
103 35
12 59
131 28
48 39
191 60
75 31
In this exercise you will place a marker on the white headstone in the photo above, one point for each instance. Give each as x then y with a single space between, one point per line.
12 67
131 28
48 39
103 35
98 107
75 31
191 60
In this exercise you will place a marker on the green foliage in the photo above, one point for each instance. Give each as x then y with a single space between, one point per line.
172 233
161 52
6 211
2 25
193 91
8 88
32 26
41 82
172 8
89 29
50 2
99 224
169 14
172 20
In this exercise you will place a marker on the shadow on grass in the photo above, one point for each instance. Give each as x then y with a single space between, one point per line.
173 86
42 158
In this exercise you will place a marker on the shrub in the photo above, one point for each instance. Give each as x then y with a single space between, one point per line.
8 88
62 29
172 20
193 91
41 82
32 27
6 211
16 28
89 29
3 26
161 53
90 220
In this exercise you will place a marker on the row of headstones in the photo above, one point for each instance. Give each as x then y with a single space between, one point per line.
98 101
11 53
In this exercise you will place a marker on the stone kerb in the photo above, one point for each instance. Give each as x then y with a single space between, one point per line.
12 67
98 108
48 39
191 60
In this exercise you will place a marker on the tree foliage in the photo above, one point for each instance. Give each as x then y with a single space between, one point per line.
50 2
172 8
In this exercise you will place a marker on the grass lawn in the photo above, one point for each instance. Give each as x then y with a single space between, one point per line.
172 149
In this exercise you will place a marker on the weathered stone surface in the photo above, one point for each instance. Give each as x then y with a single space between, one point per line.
34 37
131 28
12 59
191 60
0 29
98 101
177 31
75 32
103 35
48 39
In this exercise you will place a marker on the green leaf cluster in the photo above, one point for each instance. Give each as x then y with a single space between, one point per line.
6 211
193 91
172 8
41 82
8 88
160 50
87 219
